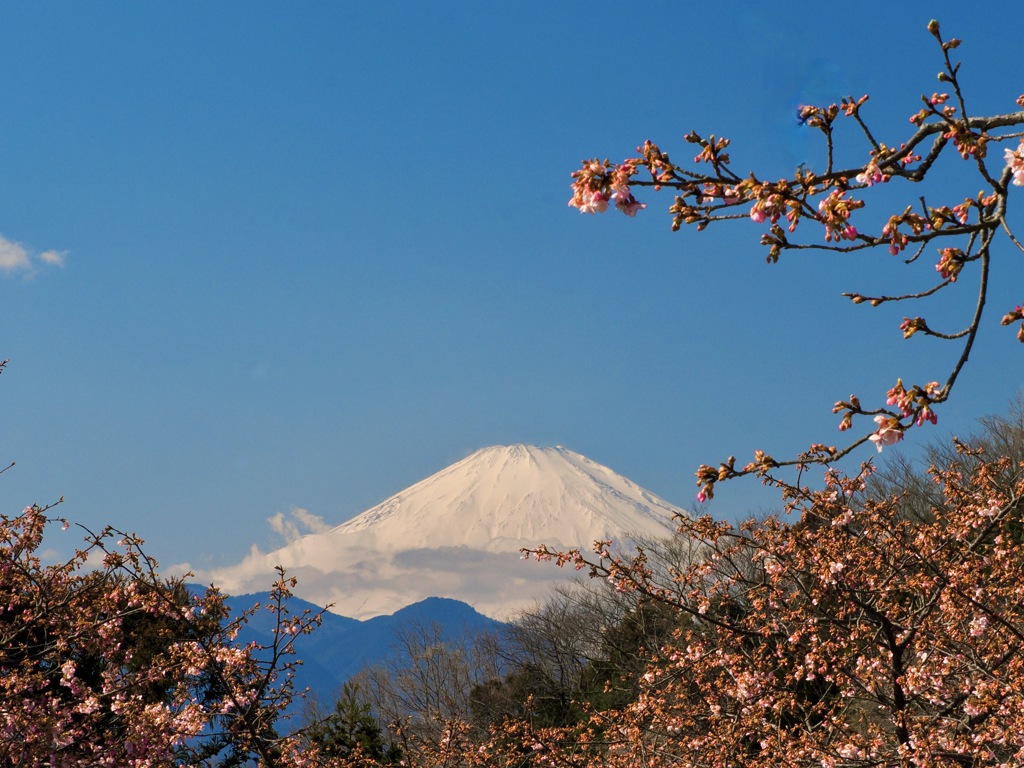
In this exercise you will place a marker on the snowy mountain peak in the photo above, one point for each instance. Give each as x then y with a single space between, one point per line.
506 497
458 534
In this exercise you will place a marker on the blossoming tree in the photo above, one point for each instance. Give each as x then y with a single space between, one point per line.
818 209
869 633
103 663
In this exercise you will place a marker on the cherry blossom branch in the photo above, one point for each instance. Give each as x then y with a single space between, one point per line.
719 194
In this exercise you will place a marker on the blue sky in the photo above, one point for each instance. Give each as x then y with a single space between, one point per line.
313 253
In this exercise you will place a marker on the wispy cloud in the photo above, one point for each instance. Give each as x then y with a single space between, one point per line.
178 570
56 258
15 258
361 582
296 524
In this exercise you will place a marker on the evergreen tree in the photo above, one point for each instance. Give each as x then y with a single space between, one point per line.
352 732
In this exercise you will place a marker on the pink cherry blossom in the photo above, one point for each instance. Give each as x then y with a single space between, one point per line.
630 206
871 175
620 193
1015 162
889 432
594 203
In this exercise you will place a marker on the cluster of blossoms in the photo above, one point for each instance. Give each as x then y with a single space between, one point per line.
890 431
897 238
950 263
915 401
598 184
711 193
912 325
871 175
116 666
769 205
835 211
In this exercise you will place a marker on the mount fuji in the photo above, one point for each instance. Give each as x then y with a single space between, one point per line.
457 534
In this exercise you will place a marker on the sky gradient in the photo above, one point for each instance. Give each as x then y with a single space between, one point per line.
258 257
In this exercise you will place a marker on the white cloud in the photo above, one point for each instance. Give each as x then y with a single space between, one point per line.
178 571
95 558
56 258
50 556
15 257
361 582
313 523
295 524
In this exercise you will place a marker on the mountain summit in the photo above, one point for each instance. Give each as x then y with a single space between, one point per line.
458 534
506 497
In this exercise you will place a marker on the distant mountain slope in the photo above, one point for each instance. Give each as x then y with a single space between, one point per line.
458 534
342 646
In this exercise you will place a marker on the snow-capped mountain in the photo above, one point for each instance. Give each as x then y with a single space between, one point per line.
458 533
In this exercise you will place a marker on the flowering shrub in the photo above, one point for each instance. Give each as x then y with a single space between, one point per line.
870 632
827 201
102 662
